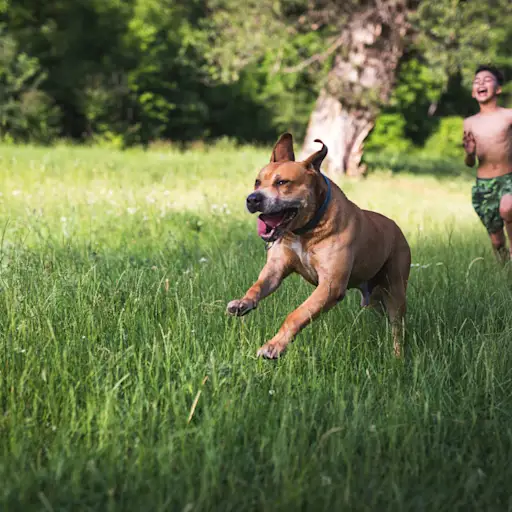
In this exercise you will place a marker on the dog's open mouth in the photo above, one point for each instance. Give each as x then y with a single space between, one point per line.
270 224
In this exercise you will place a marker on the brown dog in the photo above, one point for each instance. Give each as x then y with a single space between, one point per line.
316 231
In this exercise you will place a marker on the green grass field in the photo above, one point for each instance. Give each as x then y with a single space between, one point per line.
125 386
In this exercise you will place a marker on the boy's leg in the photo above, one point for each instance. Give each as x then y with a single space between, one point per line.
499 244
486 202
506 215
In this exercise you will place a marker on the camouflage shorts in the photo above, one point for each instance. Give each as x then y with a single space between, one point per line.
486 197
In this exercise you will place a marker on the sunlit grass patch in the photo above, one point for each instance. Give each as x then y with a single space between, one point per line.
124 386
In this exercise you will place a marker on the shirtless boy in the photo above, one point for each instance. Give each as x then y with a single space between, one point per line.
488 136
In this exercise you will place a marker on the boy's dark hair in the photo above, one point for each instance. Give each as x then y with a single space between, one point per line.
494 71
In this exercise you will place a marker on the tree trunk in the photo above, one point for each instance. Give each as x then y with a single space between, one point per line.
360 81
342 131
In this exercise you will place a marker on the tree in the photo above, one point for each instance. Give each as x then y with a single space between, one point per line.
138 70
363 44
361 79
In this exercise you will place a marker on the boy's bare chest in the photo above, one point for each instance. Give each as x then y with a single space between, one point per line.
493 141
492 132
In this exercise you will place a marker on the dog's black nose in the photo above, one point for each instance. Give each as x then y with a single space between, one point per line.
254 201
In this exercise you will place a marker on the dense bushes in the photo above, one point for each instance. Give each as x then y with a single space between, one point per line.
26 112
133 72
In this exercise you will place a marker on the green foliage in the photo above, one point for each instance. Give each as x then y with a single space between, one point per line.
406 120
418 162
388 135
457 35
416 92
27 114
132 72
288 96
164 81
442 154
447 139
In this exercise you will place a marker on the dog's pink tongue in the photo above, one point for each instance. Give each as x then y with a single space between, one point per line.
268 222
262 227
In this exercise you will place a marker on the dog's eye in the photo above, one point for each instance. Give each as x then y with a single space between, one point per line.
282 182
257 183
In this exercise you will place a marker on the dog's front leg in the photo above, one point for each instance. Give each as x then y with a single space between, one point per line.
328 293
271 276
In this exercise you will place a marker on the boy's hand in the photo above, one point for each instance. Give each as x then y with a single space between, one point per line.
469 143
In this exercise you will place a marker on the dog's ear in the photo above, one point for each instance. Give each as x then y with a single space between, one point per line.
315 160
283 150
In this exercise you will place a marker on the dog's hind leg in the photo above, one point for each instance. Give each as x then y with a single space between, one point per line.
394 301
391 291
376 302
372 294
365 290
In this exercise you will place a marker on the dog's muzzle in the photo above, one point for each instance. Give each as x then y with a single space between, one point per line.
274 218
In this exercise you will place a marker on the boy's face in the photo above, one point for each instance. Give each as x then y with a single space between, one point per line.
485 87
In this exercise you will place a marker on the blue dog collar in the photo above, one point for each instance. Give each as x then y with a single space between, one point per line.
313 223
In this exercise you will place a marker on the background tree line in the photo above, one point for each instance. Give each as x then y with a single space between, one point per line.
136 71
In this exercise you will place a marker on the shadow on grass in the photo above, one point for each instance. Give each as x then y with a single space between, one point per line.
417 163
125 386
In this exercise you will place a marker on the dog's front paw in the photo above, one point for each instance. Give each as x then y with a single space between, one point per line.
240 307
272 350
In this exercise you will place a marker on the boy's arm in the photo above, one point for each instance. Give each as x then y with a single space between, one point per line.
469 143
470 160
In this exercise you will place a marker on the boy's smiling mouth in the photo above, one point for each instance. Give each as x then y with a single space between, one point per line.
482 92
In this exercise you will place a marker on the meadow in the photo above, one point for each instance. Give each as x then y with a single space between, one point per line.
125 386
